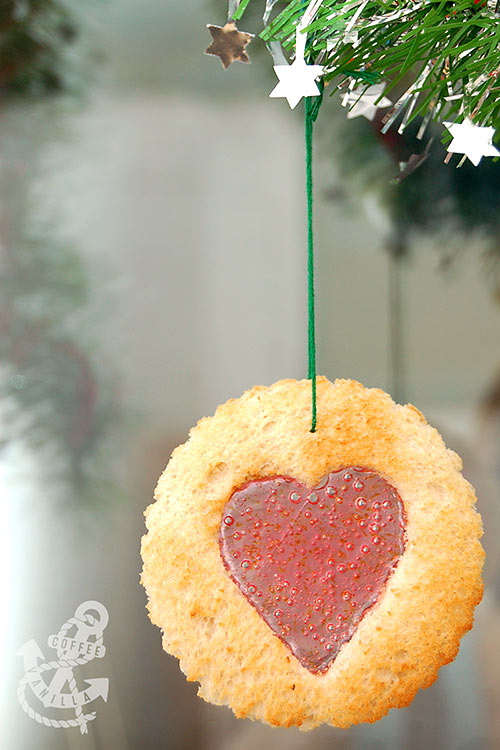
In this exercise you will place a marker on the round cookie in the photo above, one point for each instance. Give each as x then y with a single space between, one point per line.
423 609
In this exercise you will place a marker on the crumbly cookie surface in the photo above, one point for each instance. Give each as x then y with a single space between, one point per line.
416 624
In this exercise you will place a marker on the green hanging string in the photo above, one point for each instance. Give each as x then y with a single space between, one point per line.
311 108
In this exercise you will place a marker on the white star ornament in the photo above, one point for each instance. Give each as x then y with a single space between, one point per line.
365 104
471 140
296 81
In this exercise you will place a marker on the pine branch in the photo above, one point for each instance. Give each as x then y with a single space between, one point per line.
449 49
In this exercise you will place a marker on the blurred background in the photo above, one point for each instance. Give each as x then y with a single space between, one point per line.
153 265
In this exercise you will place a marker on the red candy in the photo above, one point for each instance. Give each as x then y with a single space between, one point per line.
313 561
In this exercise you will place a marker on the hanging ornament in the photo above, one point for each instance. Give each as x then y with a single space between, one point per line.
298 79
319 567
364 101
228 44
414 162
471 140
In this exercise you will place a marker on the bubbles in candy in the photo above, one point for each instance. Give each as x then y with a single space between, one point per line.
313 555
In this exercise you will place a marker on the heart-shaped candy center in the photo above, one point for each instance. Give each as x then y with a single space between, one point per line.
313 561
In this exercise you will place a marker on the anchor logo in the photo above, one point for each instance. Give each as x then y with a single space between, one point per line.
53 683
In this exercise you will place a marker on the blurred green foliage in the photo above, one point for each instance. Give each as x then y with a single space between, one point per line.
457 208
56 396
34 38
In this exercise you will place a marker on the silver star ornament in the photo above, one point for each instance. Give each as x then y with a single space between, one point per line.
472 140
